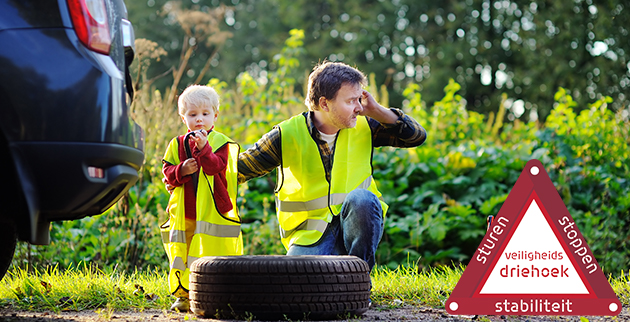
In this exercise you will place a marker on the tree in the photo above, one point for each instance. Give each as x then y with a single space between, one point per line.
526 49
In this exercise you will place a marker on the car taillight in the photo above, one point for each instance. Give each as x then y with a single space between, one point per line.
89 18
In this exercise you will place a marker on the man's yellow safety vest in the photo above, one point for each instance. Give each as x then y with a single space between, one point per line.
216 234
306 202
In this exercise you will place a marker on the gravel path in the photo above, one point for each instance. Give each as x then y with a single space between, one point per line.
402 313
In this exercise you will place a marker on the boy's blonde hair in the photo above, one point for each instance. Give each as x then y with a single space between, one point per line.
198 95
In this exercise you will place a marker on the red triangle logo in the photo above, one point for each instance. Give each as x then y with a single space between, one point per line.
533 260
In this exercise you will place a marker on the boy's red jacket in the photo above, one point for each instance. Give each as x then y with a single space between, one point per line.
213 164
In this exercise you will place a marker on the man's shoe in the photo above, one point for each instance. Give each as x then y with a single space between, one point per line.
181 304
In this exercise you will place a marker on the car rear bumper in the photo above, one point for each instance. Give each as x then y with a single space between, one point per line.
76 179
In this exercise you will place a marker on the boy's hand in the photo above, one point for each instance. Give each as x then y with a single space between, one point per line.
200 138
189 166
169 187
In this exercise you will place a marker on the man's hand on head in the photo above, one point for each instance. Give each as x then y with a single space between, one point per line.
368 102
371 108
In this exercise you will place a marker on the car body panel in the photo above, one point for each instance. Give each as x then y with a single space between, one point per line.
64 109
20 14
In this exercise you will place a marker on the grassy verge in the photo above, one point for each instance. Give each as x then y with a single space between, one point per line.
88 288
83 288
429 287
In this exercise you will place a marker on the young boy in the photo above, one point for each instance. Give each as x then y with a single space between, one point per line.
201 165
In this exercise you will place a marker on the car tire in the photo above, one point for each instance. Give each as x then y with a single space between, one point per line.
8 241
279 287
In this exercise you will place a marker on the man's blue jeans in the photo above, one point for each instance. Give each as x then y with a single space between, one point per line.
357 229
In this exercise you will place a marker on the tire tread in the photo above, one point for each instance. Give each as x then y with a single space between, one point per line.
296 287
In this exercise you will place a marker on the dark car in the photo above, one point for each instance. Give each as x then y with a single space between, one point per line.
68 146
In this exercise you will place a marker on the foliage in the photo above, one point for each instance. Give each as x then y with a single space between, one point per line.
255 105
588 155
200 29
526 49
440 193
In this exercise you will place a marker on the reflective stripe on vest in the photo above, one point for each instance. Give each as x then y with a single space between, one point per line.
306 202
206 228
309 224
216 230
319 203
178 263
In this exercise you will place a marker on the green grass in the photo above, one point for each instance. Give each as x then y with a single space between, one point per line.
89 288
83 288
621 286
406 283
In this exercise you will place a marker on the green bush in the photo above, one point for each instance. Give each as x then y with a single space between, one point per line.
441 192
588 156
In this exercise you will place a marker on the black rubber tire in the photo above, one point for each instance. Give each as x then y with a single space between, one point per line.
279 287
8 241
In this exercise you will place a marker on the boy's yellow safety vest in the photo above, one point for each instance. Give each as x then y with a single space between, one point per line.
306 202
216 234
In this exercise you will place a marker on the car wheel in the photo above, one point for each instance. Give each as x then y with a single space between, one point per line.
8 241
279 287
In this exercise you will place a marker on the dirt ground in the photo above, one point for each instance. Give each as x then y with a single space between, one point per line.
401 313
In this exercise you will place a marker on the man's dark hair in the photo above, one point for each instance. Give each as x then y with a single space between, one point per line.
326 80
